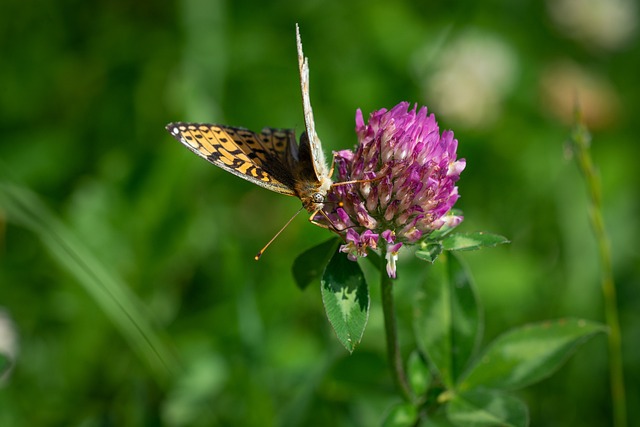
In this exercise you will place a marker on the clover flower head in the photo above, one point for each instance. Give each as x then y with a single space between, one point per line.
407 172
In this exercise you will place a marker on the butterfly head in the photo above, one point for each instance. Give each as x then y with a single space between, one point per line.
318 198
313 194
314 202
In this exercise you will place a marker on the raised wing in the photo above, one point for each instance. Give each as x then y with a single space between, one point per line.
259 158
317 155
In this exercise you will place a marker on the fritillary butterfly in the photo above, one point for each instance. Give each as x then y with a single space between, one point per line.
272 158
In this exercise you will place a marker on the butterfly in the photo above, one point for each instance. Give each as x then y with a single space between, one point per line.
272 158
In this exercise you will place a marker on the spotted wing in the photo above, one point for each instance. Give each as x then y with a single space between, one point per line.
262 159
317 155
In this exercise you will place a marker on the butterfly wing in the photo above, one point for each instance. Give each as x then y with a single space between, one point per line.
259 158
317 155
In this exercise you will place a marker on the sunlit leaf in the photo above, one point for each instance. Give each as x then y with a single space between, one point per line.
486 408
401 415
346 299
528 354
310 264
447 319
472 241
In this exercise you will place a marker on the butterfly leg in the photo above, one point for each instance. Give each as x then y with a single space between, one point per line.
333 164
331 226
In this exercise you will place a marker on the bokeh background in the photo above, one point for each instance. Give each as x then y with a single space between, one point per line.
114 209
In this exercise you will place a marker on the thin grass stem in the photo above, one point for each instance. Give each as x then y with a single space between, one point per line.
581 140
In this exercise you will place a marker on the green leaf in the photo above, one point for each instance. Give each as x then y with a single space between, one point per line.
528 354
430 252
346 299
487 408
472 241
310 264
447 319
418 374
401 415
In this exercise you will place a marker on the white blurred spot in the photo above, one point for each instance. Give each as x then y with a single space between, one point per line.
471 78
8 342
606 24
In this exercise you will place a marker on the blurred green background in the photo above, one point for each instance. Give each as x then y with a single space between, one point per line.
119 208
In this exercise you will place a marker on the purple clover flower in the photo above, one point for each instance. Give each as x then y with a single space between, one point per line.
412 171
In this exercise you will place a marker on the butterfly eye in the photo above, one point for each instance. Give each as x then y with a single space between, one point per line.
318 198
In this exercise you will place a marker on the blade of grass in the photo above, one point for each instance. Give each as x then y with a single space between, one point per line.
122 307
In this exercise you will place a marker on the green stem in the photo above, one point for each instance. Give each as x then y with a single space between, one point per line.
581 140
391 331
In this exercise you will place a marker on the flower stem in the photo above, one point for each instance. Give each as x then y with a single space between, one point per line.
391 331
581 141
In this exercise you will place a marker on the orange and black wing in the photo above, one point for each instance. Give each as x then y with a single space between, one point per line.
263 159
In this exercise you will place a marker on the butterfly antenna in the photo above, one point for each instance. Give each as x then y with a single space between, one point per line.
259 254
